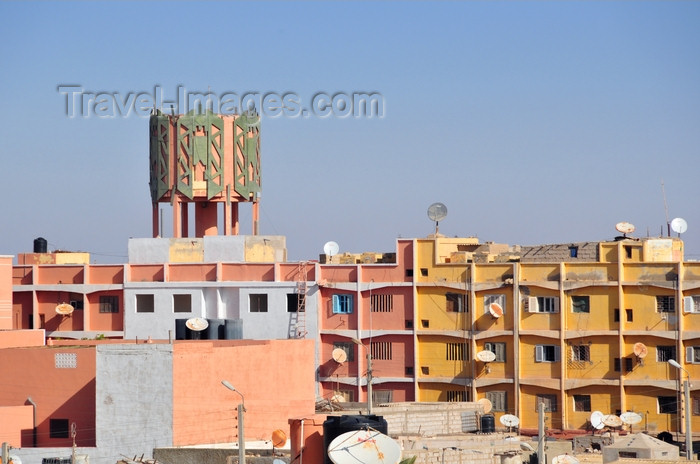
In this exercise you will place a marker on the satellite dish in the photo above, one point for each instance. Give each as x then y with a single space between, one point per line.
331 248
624 227
630 418
437 212
339 355
611 420
679 225
64 309
509 420
486 404
640 350
564 459
197 324
496 310
597 420
279 438
365 446
486 356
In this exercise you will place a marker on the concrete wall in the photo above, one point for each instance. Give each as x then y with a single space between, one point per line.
209 249
134 400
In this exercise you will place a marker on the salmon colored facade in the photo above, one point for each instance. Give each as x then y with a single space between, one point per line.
5 292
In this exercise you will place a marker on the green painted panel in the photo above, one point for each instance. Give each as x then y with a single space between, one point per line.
200 140
247 179
159 129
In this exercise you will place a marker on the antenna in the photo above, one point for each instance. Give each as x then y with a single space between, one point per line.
437 212
679 226
663 192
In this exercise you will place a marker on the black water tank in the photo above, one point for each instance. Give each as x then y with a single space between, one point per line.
40 245
488 423
335 426
182 332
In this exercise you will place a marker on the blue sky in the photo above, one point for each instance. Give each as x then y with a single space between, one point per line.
533 122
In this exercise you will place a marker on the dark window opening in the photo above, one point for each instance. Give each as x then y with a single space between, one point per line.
58 428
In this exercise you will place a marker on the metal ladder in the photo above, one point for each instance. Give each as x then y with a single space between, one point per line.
301 300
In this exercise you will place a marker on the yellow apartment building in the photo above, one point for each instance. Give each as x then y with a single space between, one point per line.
580 327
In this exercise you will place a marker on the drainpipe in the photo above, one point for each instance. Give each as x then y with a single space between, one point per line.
30 401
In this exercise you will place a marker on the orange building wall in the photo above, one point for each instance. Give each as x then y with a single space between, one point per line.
21 338
15 419
60 393
276 377
5 292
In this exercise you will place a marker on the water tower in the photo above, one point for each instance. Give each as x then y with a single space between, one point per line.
209 160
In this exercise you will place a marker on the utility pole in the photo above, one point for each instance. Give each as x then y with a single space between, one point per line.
540 434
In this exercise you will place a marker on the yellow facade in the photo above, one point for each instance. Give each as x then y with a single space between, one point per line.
580 335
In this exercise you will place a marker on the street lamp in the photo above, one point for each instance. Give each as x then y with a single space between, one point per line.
686 388
369 373
241 411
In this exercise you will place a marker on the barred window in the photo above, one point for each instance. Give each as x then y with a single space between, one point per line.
664 353
456 351
582 403
665 304
581 353
109 304
382 303
381 350
454 396
549 401
455 303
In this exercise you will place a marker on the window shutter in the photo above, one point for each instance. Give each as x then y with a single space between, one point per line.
557 354
689 354
501 352
556 304
539 353
688 304
532 306
336 304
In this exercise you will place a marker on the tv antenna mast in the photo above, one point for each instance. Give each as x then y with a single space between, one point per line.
668 223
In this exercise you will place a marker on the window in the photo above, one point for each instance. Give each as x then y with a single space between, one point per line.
347 395
382 396
497 348
456 351
542 304
582 403
348 347
549 401
409 370
109 304
424 272
342 304
425 370
581 353
78 305
573 251
580 304
692 354
618 365
295 303
144 304
628 365
409 272
381 303
628 251
627 454
500 300
182 303
454 396
629 315
664 353
409 323
425 323
498 400
696 406
381 350
257 302
547 353
691 304
58 428
667 404
455 303
665 304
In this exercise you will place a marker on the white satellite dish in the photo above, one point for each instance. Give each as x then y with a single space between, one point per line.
679 225
509 420
437 212
331 248
611 420
630 418
339 355
364 446
564 459
64 309
597 420
486 356
640 350
486 404
624 227
496 310
196 324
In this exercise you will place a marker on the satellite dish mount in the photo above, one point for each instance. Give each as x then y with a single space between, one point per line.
437 212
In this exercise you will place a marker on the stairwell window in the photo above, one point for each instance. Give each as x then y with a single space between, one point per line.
582 403
549 401
455 303
456 351
547 353
342 304
257 302
665 304
664 353
497 348
381 350
580 304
